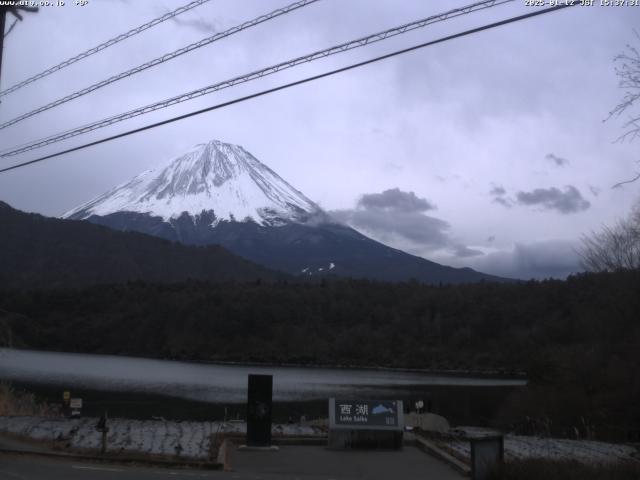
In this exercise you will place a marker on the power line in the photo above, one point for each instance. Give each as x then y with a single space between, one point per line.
360 42
164 58
102 46
292 84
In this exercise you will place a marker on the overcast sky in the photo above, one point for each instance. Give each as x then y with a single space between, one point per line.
488 151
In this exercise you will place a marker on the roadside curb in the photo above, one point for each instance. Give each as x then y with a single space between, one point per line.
312 441
224 460
117 459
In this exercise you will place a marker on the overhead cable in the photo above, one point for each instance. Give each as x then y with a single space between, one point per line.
343 47
291 84
102 46
164 58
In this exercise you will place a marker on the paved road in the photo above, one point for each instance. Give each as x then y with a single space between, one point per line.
319 463
291 462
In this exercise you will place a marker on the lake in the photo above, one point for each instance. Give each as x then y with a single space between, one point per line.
186 389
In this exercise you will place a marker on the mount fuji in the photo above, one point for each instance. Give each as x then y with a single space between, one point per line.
215 178
218 193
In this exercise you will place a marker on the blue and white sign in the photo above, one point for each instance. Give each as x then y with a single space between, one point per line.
367 414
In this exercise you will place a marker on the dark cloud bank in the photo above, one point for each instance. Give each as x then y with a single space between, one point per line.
394 213
397 200
566 201
398 218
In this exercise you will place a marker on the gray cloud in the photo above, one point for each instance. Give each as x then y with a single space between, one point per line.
200 24
385 225
498 191
559 161
491 238
397 217
505 202
549 259
462 251
396 200
569 201
594 190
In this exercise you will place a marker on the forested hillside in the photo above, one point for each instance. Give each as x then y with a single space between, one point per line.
579 340
42 252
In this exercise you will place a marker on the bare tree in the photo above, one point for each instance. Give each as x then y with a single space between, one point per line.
614 248
628 73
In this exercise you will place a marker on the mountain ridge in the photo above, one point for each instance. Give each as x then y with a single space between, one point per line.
218 193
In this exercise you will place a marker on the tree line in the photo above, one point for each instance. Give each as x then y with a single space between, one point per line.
578 340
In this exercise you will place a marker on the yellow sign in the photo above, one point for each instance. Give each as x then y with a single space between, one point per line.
66 396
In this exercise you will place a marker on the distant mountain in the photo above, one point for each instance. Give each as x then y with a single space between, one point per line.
213 177
41 252
218 193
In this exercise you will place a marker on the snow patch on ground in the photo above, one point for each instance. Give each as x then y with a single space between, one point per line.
38 428
157 437
518 447
193 439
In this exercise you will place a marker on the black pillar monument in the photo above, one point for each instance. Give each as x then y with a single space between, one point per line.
259 410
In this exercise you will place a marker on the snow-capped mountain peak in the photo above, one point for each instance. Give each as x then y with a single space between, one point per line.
215 176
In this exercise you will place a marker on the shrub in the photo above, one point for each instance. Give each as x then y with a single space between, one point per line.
13 402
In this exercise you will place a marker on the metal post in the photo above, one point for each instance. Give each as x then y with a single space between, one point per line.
104 428
3 16
15 11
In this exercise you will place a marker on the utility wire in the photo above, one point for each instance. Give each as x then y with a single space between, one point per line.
292 84
164 58
360 42
102 46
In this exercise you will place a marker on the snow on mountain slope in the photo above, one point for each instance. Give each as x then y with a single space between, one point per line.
215 176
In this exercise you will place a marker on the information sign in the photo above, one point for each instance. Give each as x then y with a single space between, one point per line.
366 414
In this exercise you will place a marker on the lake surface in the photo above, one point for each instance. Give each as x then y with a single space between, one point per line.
133 387
213 383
